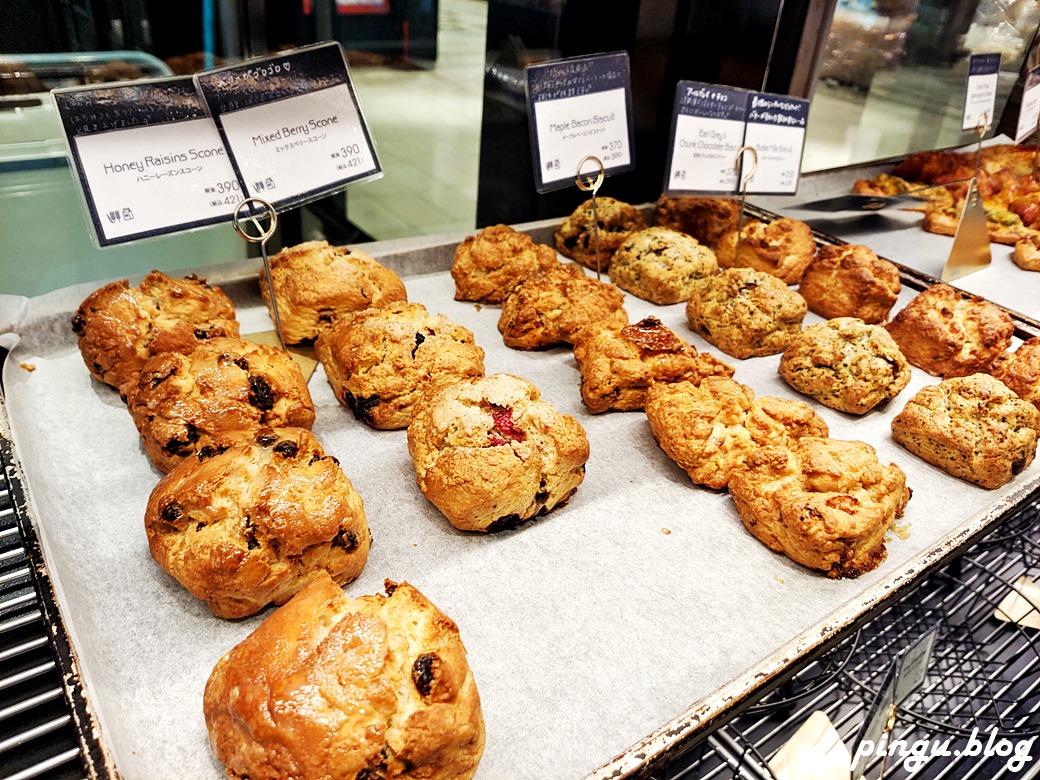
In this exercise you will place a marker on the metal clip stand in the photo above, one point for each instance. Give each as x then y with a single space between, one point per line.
890 724
743 189
971 250
244 213
589 184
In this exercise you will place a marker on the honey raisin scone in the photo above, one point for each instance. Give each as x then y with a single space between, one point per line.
314 283
487 266
972 427
119 327
845 364
254 520
617 365
575 237
337 688
491 454
660 265
1020 370
185 404
783 248
707 219
850 281
824 503
552 307
380 361
949 333
712 427
745 313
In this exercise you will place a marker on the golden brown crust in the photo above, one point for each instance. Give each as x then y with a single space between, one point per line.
707 219
1020 370
491 454
824 503
711 428
850 281
745 313
783 248
182 404
120 327
660 265
575 237
488 265
380 361
1027 253
845 364
552 307
337 688
1003 226
253 522
315 283
949 333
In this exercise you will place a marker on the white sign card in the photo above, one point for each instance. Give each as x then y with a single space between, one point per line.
1029 112
292 123
147 159
981 96
707 131
579 107
776 131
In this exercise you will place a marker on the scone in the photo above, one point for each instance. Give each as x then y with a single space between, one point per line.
347 688
380 361
120 327
712 427
185 404
972 427
660 265
491 454
745 313
824 503
487 266
850 281
845 364
575 237
705 218
617 365
254 520
1020 370
314 283
551 307
783 248
949 333
1027 253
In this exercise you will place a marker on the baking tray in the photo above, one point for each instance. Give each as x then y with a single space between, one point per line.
603 636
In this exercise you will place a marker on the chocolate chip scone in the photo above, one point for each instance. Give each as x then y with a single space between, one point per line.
783 248
745 313
617 365
491 454
972 427
705 218
616 220
314 283
487 266
1020 370
710 429
184 404
660 265
120 327
551 307
381 361
850 281
845 364
824 503
348 688
254 520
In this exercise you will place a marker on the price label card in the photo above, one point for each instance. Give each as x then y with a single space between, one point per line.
292 123
776 130
1029 113
707 131
981 96
579 107
147 159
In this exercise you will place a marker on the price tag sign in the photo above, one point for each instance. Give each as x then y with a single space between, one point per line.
707 130
1029 113
981 96
579 107
776 130
147 159
292 124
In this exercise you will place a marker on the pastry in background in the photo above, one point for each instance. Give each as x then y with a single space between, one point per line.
488 265
824 503
783 248
972 427
849 280
352 688
705 218
950 333
184 405
490 453
575 237
381 361
1026 253
119 327
660 265
745 313
1020 370
314 283
252 521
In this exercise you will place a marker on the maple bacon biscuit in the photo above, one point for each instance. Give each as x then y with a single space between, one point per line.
487 265
706 219
576 239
